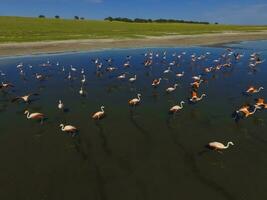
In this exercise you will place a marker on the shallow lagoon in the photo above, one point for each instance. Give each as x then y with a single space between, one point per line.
140 153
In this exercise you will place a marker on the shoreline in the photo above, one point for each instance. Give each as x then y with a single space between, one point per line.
65 46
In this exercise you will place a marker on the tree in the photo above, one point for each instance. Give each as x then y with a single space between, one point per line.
41 16
109 19
57 17
76 17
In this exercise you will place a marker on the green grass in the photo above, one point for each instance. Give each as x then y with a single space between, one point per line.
21 29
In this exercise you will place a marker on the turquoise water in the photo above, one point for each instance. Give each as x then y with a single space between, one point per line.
133 153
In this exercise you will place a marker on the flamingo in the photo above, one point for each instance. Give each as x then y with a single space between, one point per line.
195 98
252 64
6 85
168 70
2 73
100 114
135 101
21 72
208 69
180 74
25 98
68 128
81 91
73 69
83 79
39 116
156 82
69 76
197 78
99 66
60 105
172 63
252 90
196 84
245 110
20 65
39 76
219 146
126 64
110 69
260 103
123 76
133 79
176 108
171 89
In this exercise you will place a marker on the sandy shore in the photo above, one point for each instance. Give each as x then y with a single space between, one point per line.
27 48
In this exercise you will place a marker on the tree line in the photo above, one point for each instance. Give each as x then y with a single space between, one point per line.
140 20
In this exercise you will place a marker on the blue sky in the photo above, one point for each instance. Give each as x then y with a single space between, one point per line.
222 11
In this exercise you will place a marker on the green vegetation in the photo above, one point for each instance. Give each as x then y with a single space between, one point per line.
21 29
141 20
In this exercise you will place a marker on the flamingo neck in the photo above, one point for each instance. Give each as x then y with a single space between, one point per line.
227 146
261 88
255 109
138 96
102 109
28 114
62 127
181 104
202 96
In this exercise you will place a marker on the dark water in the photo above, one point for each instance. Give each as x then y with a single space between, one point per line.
141 153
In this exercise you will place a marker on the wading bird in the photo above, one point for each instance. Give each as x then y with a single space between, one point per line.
171 89
81 91
83 79
135 101
180 74
196 84
73 68
195 98
6 85
176 108
245 110
219 146
25 98
156 82
133 79
260 103
168 70
68 128
60 105
39 76
122 76
37 116
252 90
100 114
197 78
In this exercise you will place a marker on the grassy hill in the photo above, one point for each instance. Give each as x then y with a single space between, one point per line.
22 29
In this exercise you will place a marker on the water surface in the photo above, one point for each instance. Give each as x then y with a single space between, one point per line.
134 153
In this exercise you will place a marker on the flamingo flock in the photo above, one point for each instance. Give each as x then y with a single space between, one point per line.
223 62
